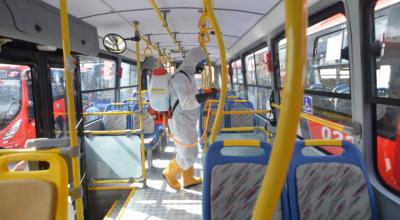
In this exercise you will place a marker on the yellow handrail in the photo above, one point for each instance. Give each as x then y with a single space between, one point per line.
68 73
221 46
139 80
242 143
320 121
30 150
244 112
322 142
108 113
113 132
275 176
165 24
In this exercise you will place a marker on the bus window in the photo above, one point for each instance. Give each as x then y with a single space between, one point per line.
17 122
98 84
59 107
128 81
263 75
387 86
239 71
234 72
250 70
97 73
264 79
282 62
327 83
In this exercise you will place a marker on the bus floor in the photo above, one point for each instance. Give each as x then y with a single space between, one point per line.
158 201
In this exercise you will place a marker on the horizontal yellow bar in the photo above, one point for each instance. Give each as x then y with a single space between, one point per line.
322 142
109 181
109 113
238 129
113 132
232 97
319 120
244 112
242 143
102 188
107 216
29 150
236 101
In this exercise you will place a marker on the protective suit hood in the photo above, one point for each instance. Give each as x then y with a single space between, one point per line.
193 57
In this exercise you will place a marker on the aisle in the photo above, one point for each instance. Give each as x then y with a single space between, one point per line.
158 201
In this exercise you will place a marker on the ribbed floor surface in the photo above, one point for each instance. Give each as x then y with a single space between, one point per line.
158 201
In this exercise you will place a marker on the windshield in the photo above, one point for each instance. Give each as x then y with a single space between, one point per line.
10 93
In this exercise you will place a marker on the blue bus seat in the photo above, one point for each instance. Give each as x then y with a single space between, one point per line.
231 183
151 140
257 134
244 120
330 186
116 122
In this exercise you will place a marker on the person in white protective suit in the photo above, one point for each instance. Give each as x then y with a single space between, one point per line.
184 108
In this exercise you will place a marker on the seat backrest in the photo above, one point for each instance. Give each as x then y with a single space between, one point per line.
148 121
116 122
39 194
330 186
244 120
232 181
203 110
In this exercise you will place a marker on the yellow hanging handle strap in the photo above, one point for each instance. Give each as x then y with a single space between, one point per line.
224 71
68 72
275 176
139 81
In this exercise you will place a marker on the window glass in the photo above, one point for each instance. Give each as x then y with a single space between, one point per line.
327 72
127 93
387 27
59 101
388 150
250 70
263 98
96 102
129 75
387 84
17 122
282 62
234 72
97 73
263 75
252 95
239 71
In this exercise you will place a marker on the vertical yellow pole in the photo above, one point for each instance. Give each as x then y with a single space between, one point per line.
275 176
224 71
68 72
139 81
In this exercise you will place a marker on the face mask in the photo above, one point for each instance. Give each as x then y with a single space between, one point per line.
199 69
200 66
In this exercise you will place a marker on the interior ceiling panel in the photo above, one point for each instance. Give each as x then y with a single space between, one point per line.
236 18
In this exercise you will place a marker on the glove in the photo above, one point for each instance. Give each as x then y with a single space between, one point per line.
214 93
202 97
209 95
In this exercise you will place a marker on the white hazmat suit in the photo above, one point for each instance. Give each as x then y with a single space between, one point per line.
184 118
